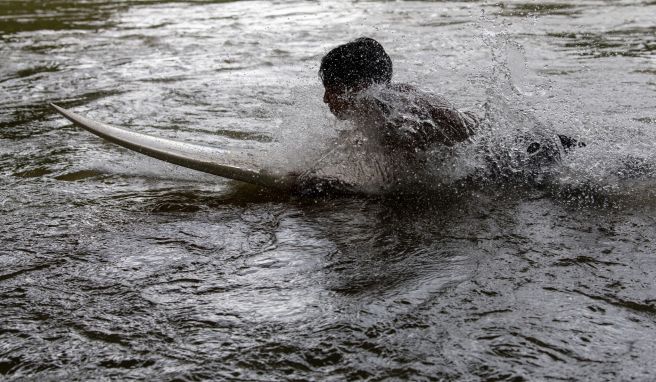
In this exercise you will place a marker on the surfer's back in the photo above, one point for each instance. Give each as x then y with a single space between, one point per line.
411 119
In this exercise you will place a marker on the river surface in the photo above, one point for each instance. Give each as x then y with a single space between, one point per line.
117 266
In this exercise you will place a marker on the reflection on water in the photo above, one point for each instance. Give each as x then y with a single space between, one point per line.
118 266
30 16
544 8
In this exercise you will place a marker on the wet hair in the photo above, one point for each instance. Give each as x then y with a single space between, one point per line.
361 62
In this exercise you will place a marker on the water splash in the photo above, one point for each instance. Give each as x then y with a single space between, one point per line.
522 105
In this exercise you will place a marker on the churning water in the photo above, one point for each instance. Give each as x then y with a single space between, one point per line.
117 266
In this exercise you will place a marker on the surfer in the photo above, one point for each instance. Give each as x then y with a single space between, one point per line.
357 80
405 121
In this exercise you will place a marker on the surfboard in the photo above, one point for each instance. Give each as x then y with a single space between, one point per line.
197 157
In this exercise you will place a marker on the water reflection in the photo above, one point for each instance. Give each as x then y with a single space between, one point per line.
116 266
536 9
635 42
32 16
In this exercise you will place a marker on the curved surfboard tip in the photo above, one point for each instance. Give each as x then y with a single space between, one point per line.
58 108
64 112
201 158
75 118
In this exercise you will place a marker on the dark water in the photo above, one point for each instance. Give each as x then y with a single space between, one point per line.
115 266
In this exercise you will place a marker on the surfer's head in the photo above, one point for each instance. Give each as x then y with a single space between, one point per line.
350 68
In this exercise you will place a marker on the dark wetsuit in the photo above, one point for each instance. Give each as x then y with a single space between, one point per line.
569 143
529 157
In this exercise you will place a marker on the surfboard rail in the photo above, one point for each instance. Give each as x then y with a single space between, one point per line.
197 157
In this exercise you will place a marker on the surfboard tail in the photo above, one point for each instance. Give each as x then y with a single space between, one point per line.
197 157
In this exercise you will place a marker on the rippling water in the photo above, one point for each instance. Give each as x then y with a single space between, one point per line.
116 266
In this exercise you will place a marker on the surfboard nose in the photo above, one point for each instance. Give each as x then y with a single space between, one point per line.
197 157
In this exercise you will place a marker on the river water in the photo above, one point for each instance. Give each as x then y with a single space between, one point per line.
117 266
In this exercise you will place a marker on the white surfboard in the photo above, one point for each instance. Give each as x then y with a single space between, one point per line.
202 158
